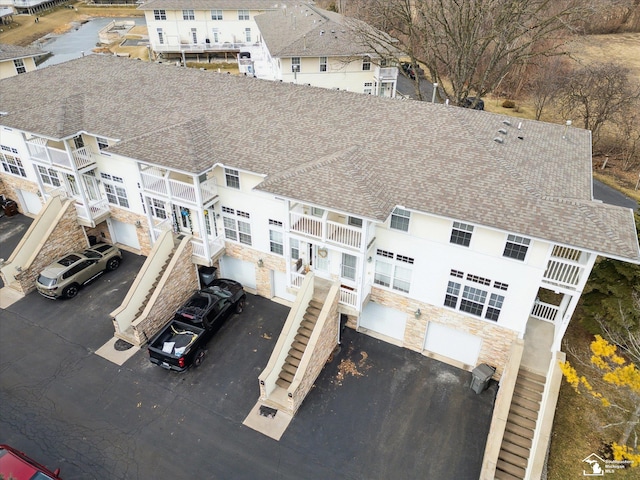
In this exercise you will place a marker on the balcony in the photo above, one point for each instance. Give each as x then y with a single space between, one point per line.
39 152
327 231
216 247
178 190
565 267
199 47
386 74
94 213
544 311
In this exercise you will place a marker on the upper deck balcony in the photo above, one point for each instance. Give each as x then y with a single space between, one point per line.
160 183
566 267
40 152
386 74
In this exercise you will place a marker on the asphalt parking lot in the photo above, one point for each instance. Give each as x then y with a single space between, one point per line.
376 412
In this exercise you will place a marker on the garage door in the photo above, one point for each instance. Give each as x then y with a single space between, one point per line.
30 202
239 270
452 343
124 233
280 286
385 320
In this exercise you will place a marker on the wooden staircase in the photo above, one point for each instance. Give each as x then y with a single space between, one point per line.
521 424
299 344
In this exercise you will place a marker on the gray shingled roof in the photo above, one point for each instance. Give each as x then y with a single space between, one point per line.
210 4
351 152
307 31
12 52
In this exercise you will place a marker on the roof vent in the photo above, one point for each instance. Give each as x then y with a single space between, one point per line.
519 125
502 131
498 140
507 123
321 32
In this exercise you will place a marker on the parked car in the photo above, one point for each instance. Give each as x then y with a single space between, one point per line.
412 69
471 102
181 343
16 465
65 276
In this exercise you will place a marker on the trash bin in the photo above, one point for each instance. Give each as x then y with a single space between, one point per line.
207 275
10 208
480 377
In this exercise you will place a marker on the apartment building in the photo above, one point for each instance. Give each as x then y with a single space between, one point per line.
307 45
200 29
15 60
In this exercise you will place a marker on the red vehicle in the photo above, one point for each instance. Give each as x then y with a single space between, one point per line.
15 465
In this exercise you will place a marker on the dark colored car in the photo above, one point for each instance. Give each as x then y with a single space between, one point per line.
411 70
471 102
65 276
16 465
182 342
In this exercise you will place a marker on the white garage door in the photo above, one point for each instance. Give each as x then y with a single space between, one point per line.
452 343
124 233
385 320
280 286
239 270
30 202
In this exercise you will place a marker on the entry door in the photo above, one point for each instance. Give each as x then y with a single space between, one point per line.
319 258
183 218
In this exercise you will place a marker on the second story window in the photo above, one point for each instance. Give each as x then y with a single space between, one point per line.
393 271
400 220
160 36
49 176
157 208
461 234
232 178
116 193
243 14
236 225
516 247
159 14
216 14
188 15
323 64
102 143
20 67
366 63
295 64
348 267
10 161
247 35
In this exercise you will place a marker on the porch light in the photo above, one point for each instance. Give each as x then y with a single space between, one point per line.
260 263
418 313
369 260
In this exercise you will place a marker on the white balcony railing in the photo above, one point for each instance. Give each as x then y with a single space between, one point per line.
544 311
348 297
177 189
199 47
96 209
83 157
296 279
164 226
565 273
386 73
306 224
216 245
330 231
344 234
41 153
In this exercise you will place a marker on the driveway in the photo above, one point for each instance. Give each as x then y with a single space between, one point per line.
377 411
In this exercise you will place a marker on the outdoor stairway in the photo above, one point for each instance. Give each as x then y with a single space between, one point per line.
299 344
521 424
155 284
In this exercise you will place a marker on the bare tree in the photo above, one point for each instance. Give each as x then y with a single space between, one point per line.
545 83
597 94
470 46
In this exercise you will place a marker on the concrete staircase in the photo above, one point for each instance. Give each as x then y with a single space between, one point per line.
155 284
299 344
521 423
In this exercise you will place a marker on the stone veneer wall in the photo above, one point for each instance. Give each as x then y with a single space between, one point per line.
324 346
9 186
66 236
263 274
126 216
496 340
178 283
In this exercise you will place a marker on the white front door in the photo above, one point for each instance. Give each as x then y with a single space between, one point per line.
320 258
452 343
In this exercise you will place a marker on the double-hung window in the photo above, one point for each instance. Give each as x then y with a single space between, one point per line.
400 220
49 176
295 64
516 247
188 15
393 270
102 143
160 14
236 225
232 178
349 263
243 14
115 190
473 295
276 237
157 208
20 66
366 63
10 161
216 14
323 64
461 234
294 244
